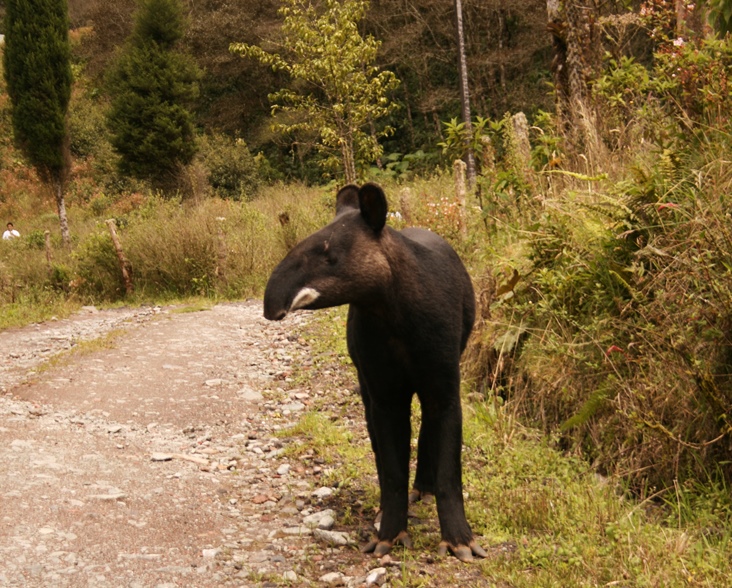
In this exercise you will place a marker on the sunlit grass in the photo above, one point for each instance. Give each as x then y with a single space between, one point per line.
42 308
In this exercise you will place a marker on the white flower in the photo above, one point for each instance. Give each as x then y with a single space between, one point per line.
678 42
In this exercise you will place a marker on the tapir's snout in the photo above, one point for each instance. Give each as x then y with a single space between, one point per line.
274 315
276 297
276 305
289 287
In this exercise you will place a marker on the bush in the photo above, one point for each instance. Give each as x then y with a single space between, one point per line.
87 128
232 171
97 268
214 247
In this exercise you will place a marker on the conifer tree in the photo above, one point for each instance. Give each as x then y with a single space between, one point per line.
38 75
152 86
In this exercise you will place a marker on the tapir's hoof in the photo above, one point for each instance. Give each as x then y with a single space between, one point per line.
381 548
417 496
462 552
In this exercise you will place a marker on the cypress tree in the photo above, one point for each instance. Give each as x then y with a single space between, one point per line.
151 86
38 76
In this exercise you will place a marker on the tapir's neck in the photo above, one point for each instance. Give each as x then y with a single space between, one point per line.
387 300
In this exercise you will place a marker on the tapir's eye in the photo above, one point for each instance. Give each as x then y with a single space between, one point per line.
329 255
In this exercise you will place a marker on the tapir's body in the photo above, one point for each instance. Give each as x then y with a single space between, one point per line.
411 312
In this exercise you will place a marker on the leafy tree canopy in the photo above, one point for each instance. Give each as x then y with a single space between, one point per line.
341 94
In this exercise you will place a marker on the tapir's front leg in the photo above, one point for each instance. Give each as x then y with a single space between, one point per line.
390 426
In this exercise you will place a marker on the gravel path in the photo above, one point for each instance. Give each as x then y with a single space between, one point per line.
150 458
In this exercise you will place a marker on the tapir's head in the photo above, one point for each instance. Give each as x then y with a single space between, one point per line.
340 264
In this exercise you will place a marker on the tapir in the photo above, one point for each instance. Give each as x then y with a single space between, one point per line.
411 311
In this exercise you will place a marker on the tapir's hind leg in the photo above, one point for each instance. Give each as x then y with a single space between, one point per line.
442 431
424 480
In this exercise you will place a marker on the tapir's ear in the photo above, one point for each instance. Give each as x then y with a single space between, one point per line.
347 199
372 201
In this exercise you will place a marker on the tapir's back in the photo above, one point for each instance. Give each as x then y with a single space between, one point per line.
452 283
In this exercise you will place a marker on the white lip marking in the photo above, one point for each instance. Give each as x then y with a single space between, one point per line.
304 297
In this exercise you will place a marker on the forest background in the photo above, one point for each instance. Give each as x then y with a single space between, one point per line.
597 230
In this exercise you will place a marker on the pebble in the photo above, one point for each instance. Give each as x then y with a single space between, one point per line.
323 492
109 497
283 469
210 553
250 394
335 538
161 457
301 530
376 577
333 578
294 407
324 519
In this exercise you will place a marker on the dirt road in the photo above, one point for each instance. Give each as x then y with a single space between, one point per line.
150 458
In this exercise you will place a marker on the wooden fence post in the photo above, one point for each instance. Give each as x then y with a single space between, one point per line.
123 263
461 192
222 252
49 256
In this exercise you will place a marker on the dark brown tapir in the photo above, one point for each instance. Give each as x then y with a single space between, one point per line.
411 312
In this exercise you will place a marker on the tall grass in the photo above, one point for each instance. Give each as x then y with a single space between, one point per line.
214 248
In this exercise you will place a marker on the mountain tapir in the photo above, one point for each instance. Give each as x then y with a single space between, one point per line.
411 311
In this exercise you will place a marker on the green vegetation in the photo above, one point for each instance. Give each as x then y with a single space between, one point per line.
345 94
37 67
597 382
152 86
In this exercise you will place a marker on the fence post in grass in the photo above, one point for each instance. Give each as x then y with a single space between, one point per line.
222 253
405 203
519 147
459 168
123 263
49 256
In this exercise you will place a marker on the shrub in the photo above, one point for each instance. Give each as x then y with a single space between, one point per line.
87 128
97 268
232 171
215 248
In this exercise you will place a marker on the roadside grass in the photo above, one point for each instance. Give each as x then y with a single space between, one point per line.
36 308
545 517
81 349
209 249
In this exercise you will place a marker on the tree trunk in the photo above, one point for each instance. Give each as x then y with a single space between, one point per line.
501 65
63 220
465 94
349 164
577 50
